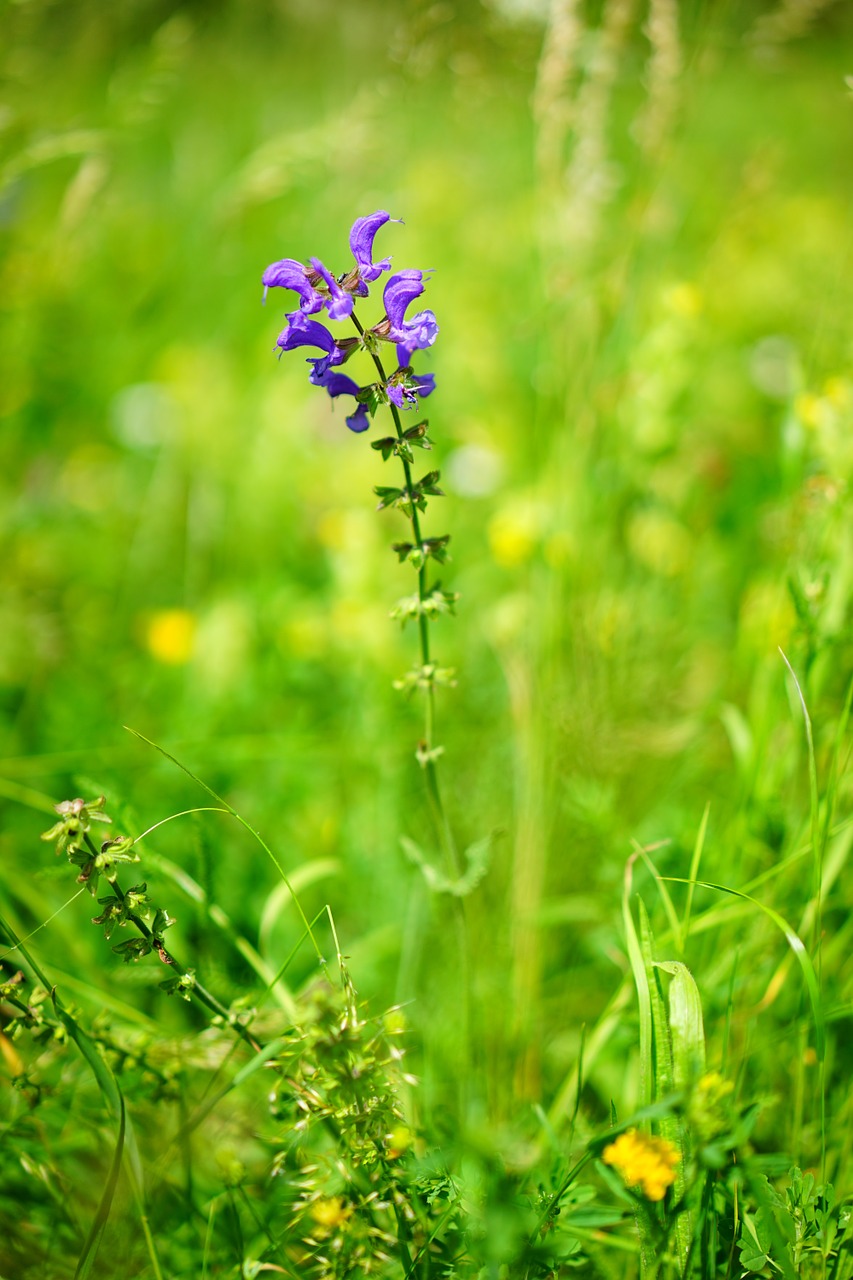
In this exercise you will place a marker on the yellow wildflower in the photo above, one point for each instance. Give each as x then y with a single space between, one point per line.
643 1161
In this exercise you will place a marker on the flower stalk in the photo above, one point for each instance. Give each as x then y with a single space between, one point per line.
401 390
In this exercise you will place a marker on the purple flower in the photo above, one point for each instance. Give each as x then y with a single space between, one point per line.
403 388
424 383
340 303
410 335
302 332
338 384
319 290
361 244
401 290
420 332
289 274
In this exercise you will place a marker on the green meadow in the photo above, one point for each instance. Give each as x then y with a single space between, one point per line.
541 967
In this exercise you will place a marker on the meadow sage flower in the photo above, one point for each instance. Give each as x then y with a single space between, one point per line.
643 1161
318 290
339 303
361 243
290 274
410 335
302 332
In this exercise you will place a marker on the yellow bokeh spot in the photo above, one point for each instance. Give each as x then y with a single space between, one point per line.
684 299
659 542
513 535
809 409
170 635
838 392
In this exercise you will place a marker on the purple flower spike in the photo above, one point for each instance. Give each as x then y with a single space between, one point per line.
289 274
399 292
361 244
340 304
302 332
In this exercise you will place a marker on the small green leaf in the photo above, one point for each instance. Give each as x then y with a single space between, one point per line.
133 950
753 1249
386 446
387 495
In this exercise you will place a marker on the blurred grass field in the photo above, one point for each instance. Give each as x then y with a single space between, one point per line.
643 259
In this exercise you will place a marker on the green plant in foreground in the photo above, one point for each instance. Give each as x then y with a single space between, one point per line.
333 1174
399 391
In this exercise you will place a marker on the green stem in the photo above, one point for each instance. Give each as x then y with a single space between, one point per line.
445 832
201 993
441 822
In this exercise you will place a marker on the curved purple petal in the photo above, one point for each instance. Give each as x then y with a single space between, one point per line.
395 394
424 383
415 335
302 332
360 420
340 303
290 274
337 384
399 292
361 243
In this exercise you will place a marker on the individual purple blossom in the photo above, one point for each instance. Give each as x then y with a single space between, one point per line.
410 335
420 332
424 383
361 243
302 332
290 274
403 389
338 384
400 291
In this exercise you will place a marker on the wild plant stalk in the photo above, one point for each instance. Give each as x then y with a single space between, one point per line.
427 752
399 391
72 835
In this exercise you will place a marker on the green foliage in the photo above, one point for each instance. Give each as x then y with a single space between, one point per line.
642 428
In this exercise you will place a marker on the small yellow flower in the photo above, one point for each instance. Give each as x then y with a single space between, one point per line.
170 635
643 1161
330 1213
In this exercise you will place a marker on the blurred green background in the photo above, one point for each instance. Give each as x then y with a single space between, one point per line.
641 242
